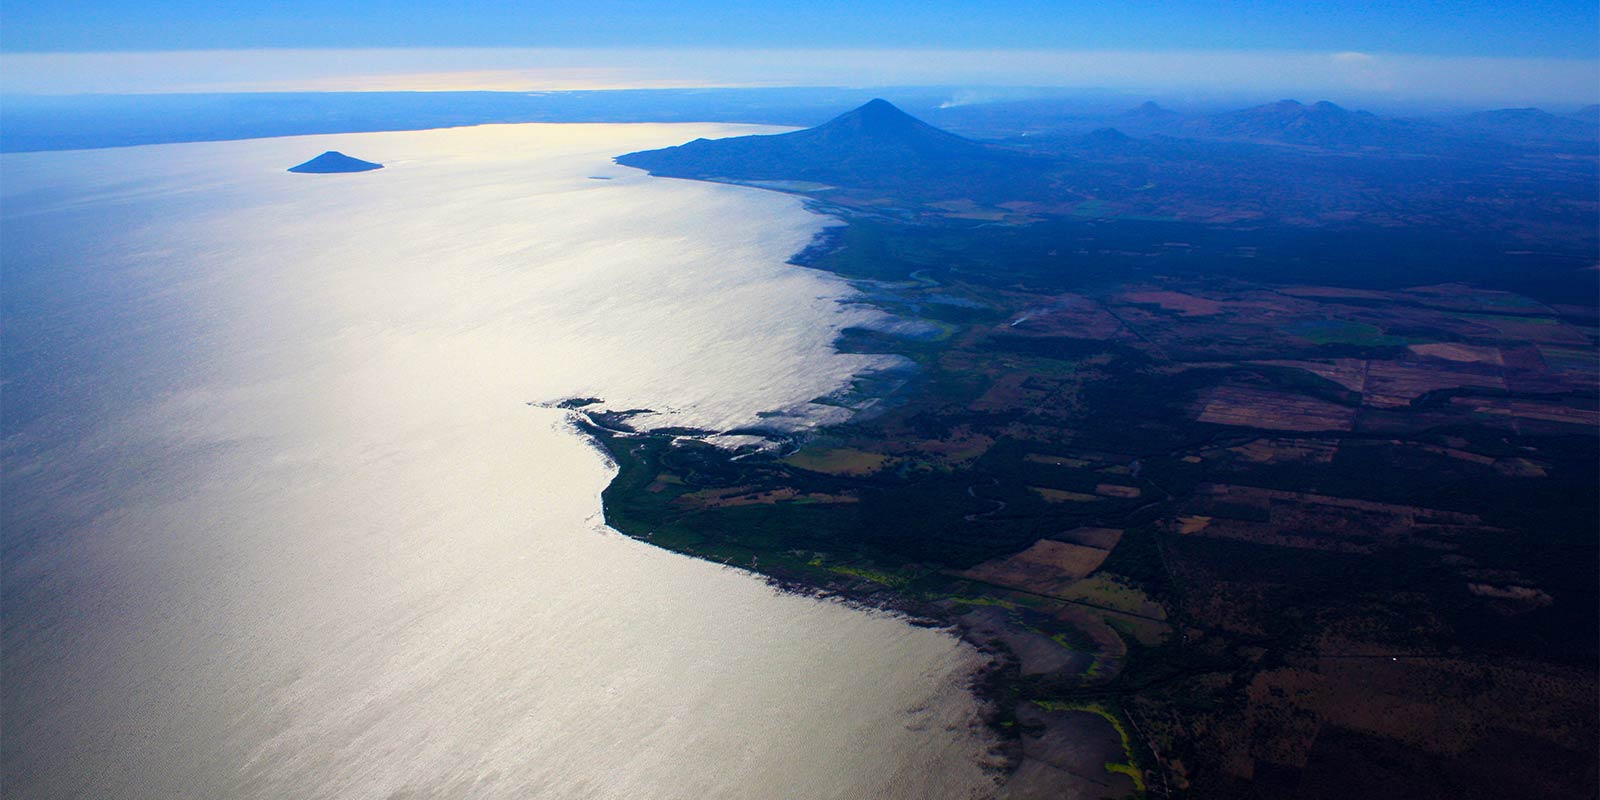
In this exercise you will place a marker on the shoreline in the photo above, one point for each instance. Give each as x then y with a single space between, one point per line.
1010 703
983 682
997 683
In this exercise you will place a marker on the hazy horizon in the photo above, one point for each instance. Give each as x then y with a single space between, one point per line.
1466 52
1346 76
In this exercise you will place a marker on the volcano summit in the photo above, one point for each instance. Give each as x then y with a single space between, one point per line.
875 147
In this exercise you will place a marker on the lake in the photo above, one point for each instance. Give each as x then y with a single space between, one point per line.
287 514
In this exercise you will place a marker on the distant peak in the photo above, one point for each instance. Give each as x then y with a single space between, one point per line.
1150 109
868 145
1107 136
879 117
1295 108
880 110
1529 112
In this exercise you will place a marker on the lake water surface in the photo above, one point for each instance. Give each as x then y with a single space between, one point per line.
280 521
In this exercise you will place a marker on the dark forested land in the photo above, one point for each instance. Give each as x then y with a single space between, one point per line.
1255 504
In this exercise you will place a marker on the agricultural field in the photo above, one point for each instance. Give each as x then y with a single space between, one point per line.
1282 535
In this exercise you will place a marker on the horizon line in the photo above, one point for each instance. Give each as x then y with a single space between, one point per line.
1395 77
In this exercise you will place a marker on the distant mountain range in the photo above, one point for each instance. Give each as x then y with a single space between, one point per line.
1327 126
1524 124
1284 161
1320 124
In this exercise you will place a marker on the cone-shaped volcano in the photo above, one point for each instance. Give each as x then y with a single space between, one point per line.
335 161
880 126
874 146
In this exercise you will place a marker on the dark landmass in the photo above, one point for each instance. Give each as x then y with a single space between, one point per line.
1282 506
876 145
1320 124
1284 122
1285 164
1519 124
333 162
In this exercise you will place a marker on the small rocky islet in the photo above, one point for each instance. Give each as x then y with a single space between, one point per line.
333 162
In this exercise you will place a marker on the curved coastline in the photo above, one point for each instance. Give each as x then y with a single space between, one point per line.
997 682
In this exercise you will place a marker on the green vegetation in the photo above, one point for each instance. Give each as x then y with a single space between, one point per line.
983 601
872 575
1130 766
1129 770
1368 542
838 461
1333 331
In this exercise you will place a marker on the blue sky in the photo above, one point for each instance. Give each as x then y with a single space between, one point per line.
1529 28
1463 53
